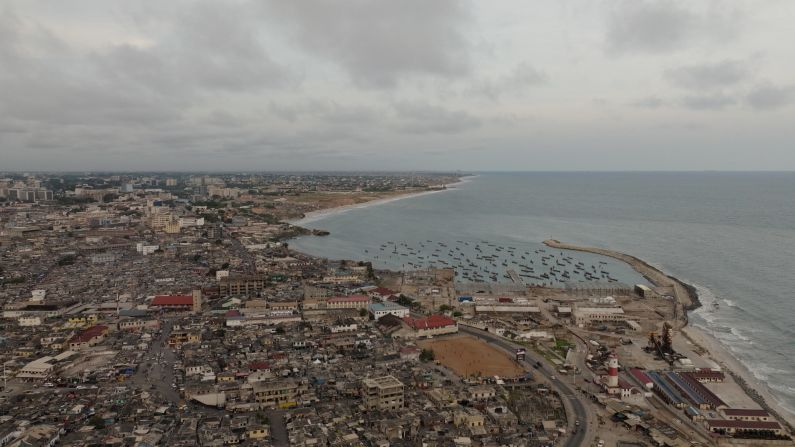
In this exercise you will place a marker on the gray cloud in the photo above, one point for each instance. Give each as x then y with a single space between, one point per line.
511 83
421 118
650 102
351 84
716 101
659 26
208 45
708 76
768 96
330 112
378 43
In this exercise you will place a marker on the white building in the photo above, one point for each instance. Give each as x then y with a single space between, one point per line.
29 321
587 315
144 249
378 310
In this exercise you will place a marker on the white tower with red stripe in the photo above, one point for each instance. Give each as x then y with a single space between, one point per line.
612 371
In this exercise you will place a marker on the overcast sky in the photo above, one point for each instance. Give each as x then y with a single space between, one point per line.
409 84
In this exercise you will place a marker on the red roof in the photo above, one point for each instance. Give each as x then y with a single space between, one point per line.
743 425
640 375
173 300
383 291
432 322
745 412
258 365
232 313
88 334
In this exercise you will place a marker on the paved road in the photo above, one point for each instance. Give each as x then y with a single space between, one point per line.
574 406
278 427
161 373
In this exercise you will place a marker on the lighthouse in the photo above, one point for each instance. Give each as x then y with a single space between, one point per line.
612 371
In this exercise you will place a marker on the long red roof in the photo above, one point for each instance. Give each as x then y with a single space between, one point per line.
745 412
173 300
432 322
744 425
640 375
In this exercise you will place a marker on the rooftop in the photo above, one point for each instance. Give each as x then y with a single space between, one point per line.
172 300
432 322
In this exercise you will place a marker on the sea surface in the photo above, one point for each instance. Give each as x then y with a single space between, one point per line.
732 235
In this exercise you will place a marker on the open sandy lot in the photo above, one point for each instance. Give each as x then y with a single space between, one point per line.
468 356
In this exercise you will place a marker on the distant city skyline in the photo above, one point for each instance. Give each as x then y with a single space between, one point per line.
260 86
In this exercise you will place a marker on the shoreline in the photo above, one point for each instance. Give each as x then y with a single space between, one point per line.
313 216
757 390
686 296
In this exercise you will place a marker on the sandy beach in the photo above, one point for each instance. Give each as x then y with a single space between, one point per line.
314 216
720 355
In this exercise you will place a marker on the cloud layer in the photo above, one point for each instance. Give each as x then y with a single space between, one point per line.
243 84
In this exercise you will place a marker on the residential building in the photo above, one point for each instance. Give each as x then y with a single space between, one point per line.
382 393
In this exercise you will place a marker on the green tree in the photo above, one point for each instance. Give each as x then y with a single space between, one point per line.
427 355
403 300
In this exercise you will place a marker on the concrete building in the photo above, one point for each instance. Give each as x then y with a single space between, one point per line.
283 393
28 194
378 310
738 427
742 414
29 321
587 315
242 285
382 393
37 369
427 327
348 302
192 302
88 337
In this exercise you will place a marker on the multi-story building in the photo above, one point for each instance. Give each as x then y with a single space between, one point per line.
382 393
283 393
27 194
348 302
588 315
242 285
161 220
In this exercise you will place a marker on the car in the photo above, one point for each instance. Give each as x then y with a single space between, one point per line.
577 422
552 377
601 443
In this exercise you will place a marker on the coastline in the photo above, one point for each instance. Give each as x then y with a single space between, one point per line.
687 297
757 390
313 216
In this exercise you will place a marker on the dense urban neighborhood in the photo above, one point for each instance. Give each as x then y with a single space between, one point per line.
170 309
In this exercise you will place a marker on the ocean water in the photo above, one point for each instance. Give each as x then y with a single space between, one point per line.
732 235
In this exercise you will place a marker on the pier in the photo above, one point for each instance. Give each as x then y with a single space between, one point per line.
514 276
